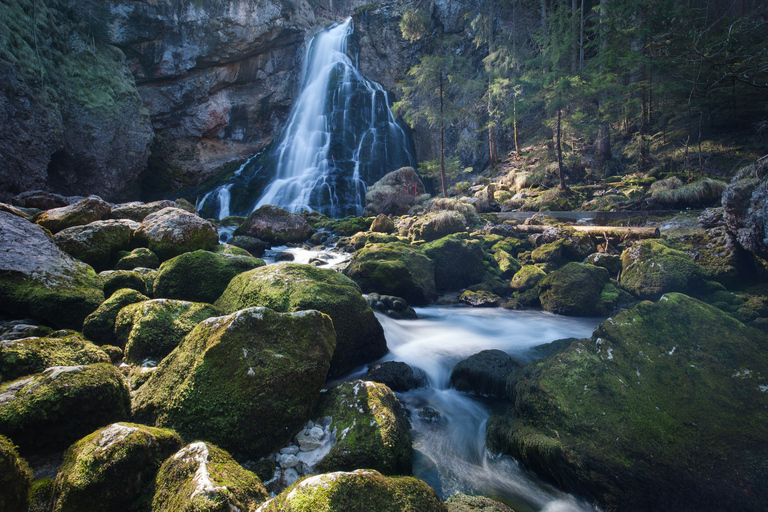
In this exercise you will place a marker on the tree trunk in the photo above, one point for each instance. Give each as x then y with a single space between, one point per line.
560 169
514 121
442 140
574 36
603 144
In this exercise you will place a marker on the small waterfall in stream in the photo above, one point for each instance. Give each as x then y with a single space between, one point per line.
340 137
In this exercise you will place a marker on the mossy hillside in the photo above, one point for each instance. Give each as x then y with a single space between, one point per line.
576 290
200 276
458 263
15 478
247 381
371 429
99 326
395 269
204 478
289 287
27 356
153 328
650 269
663 408
50 410
358 491
112 469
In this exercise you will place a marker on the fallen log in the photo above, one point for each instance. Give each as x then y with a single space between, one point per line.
628 232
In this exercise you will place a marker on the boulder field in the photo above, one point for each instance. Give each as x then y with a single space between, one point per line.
189 375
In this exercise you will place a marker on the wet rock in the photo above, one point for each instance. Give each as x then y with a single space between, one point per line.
140 257
397 376
251 244
650 269
507 263
393 307
395 193
576 289
97 243
15 478
284 256
527 278
460 502
38 280
484 373
138 211
458 263
610 262
83 212
115 280
246 381
275 226
429 414
480 299
292 287
383 224
18 329
173 231
110 468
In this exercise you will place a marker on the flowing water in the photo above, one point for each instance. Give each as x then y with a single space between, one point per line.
450 453
340 137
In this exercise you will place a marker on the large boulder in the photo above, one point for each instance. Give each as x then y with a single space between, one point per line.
246 381
39 280
527 278
97 243
458 262
26 356
204 478
173 231
576 289
484 373
371 429
745 205
650 269
635 417
460 502
141 280
139 257
83 212
99 326
397 376
394 269
15 478
358 491
289 287
153 328
395 193
52 409
40 199
111 468
433 225
138 211
275 226
200 276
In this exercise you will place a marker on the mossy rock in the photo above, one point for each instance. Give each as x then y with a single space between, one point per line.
111 469
40 495
253 245
27 356
200 276
173 231
140 257
289 287
458 263
50 410
480 298
394 269
204 478
720 258
118 279
436 225
138 211
508 265
484 373
526 278
664 408
99 326
650 269
460 502
610 262
231 250
15 478
83 212
275 226
397 375
372 430
576 290
97 243
247 381
548 253
358 491
39 281
153 328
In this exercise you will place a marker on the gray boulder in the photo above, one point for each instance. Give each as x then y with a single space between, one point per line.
173 231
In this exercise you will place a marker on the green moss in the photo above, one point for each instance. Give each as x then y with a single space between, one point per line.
575 289
40 495
99 326
526 278
230 250
548 253
371 428
33 355
650 269
436 225
110 468
458 263
141 257
118 279
15 478
508 265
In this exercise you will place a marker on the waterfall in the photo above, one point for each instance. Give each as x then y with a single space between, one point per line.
340 137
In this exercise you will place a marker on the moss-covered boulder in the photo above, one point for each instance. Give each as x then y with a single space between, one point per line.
38 280
383 224
33 355
275 226
394 269
575 290
397 375
52 409
718 255
664 408
138 211
508 265
458 262
153 328
460 502
97 243
139 257
526 278
393 307
289 287
246 381
200 276
480 298
204 478
251 244
610 262
230 250
358 491
395 193
119 279
434 225
99 326
173 231
650 269
371 428
548 253
112 469
484 373
83 212
15 478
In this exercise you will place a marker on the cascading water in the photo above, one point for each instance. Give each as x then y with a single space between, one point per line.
341 136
